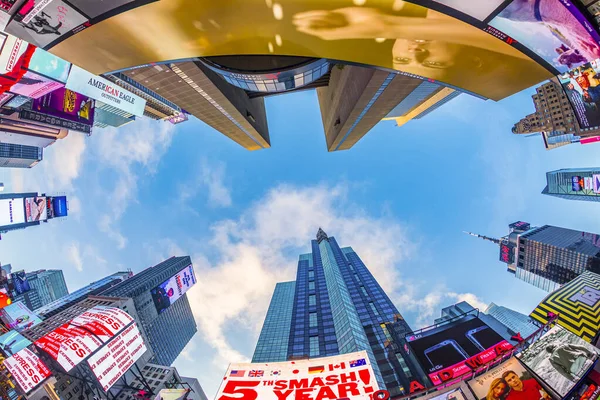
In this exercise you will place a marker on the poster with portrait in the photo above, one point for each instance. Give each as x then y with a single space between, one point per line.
560 358
508 381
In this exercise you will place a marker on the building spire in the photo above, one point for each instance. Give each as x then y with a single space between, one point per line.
497 241
321 235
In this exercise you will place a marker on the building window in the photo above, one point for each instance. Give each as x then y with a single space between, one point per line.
311 285
314 346
313 319
311 274
312 300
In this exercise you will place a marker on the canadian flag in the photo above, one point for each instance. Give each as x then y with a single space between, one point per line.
341 365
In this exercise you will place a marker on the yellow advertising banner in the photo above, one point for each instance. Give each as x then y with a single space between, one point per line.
391 34
577 304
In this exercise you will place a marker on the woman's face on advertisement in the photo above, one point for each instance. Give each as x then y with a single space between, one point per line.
499 390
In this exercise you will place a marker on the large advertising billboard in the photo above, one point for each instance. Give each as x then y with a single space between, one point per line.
98 88
348 376
12 342
34 85
581 87
59 206
64 103
554 29
20 282
173 288
577 304
12 211
12 50
36 209
30 115
18 317
453 350
507 252
27 369
560 359
509 381
480 9
114 360
49 65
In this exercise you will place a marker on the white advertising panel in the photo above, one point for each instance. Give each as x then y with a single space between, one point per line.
596 183
115 359
12 50
348 376
27 369
104 322
12 212
173 288
98 88
588 183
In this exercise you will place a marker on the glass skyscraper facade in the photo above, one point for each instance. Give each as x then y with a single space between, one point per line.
168 332
338 307
513 320
574 184
50 284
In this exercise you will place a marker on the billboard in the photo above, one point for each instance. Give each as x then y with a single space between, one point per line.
577 184
588 140
36 209
455 394
581 87
18 317
12 342
104 322
347 376
173 288
589 389
59 206
49 65
54 121
577 304
12 211
34 85
507 252
453 350
509 381
477 9
98 88
17 101
596 183
114 360
173 394
12 50
560 359
20 282
66 104
554 29
520 225
27 369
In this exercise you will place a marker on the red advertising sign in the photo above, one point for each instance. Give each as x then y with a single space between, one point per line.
589 140
104 322
28 370
115 359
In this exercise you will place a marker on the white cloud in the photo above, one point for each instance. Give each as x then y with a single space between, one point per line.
209 176
74 256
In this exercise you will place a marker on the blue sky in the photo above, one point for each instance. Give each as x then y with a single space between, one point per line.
401 198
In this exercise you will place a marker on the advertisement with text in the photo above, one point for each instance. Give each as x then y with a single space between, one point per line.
453 350
27 368
12 342
64 103
12 211
172 289
18 317
348 376
582 86
560 359
35 209
34 85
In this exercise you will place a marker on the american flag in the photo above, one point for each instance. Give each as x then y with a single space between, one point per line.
237 373
358 363
256 373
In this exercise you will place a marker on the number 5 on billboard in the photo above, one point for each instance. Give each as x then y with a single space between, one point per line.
240 387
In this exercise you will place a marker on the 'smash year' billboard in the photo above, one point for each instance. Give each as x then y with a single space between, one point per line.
173 288
577 304
348 376
27 369
453 350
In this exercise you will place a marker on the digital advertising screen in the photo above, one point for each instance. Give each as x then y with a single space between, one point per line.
117 357
18 317
577 183
34 85
554 29
560 359
577 304
173 288
507 252
509 377
35 209
104 322
480 9
20 282
12 212
451 351
520 225
64 103
49 65
12 342
59 206
348 376
27 369
583 91
596 183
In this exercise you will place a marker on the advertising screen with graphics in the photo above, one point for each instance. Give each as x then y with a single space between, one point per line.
348 376
583 91
35 209
477 9
34 85
114 360
509 381
560 359
20 282
577 304
589 389
49 65
59 206
12 211
12 342
95 87
520 225
507 252
453 350
596 183
482 64
64 103
173 288
18 317
554 29
27 368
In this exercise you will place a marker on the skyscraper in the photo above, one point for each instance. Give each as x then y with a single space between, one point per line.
50 284
19 156
547 256
512 319
574 184
335 306
169 329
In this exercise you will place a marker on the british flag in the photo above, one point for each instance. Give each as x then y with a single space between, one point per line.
256 373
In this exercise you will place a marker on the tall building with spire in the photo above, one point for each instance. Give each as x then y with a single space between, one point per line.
547 256
335 306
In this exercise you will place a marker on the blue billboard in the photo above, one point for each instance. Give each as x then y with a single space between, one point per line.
59 206
20 282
